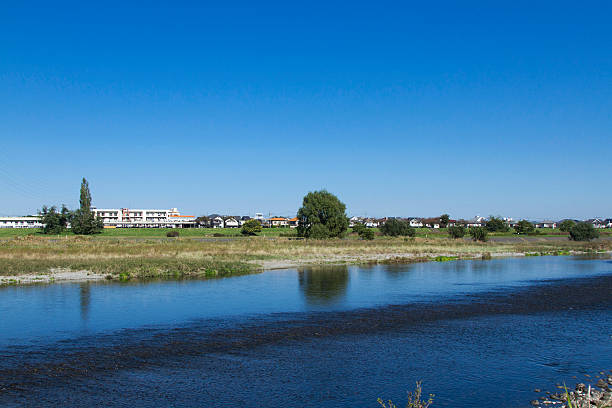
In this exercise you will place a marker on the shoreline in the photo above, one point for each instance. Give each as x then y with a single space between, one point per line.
65 275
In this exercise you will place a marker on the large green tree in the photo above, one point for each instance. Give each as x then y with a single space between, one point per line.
524 227
83 221
322 215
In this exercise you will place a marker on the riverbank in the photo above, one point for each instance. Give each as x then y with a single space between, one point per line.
46 259
598 395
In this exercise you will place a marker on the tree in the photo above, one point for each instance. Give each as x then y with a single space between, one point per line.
358 228
478 233
322 215
583 231
83 221
444 219
203 221
394 227
524 227
251 227
54 222
566 225
456 231
496 224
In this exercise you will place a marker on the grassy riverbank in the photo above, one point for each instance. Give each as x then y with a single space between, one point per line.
148 253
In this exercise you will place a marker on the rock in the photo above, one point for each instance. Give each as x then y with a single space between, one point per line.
581 387
537 390
535 403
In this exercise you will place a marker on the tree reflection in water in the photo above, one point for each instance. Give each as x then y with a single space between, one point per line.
323 285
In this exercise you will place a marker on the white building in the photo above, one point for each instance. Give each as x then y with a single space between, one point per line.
141 218
20 222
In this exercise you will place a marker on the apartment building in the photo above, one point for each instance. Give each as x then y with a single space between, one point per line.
143 218
20 222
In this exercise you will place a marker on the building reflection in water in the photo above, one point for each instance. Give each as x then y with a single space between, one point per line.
323 285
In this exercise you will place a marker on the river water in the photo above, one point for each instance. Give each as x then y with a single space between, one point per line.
477 333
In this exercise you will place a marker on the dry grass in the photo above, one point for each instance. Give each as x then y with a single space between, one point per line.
194 256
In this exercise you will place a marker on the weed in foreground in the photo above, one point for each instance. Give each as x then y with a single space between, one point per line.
414 399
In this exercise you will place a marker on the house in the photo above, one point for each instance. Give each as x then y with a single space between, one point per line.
244 219
278 222
546 224
431 222
371 222
416 222
477 221
293 222
216 221
231 222
355 220
608 222
597 223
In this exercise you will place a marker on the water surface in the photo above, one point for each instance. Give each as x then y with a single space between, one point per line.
322 337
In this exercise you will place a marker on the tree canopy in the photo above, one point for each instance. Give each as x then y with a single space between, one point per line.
566 225
54 221
496 224
444 219
322 215
524 227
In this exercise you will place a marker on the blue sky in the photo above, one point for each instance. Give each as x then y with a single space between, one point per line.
398 108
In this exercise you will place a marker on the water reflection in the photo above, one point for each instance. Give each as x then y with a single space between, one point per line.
323 285
84 300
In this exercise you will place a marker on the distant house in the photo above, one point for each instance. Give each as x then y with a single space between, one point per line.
278 222
243 219
431 222
355 220
546 224
231 222
475 222
293 222
608 222
416 222
597 223
216 221
371 222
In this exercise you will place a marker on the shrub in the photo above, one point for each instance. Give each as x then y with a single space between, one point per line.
251 227
394 227
172 234
456 231
583 231
366 233
358 227
415 399
524 227
496 224
566 225
478 233
218 234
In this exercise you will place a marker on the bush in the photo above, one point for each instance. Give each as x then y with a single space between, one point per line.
566 225
456 231
251 227
322 215
358 227
366 233
496 224
172 234
394 227
583 231
478 233
524 227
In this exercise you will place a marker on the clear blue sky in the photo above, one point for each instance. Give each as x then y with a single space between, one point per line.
398 108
